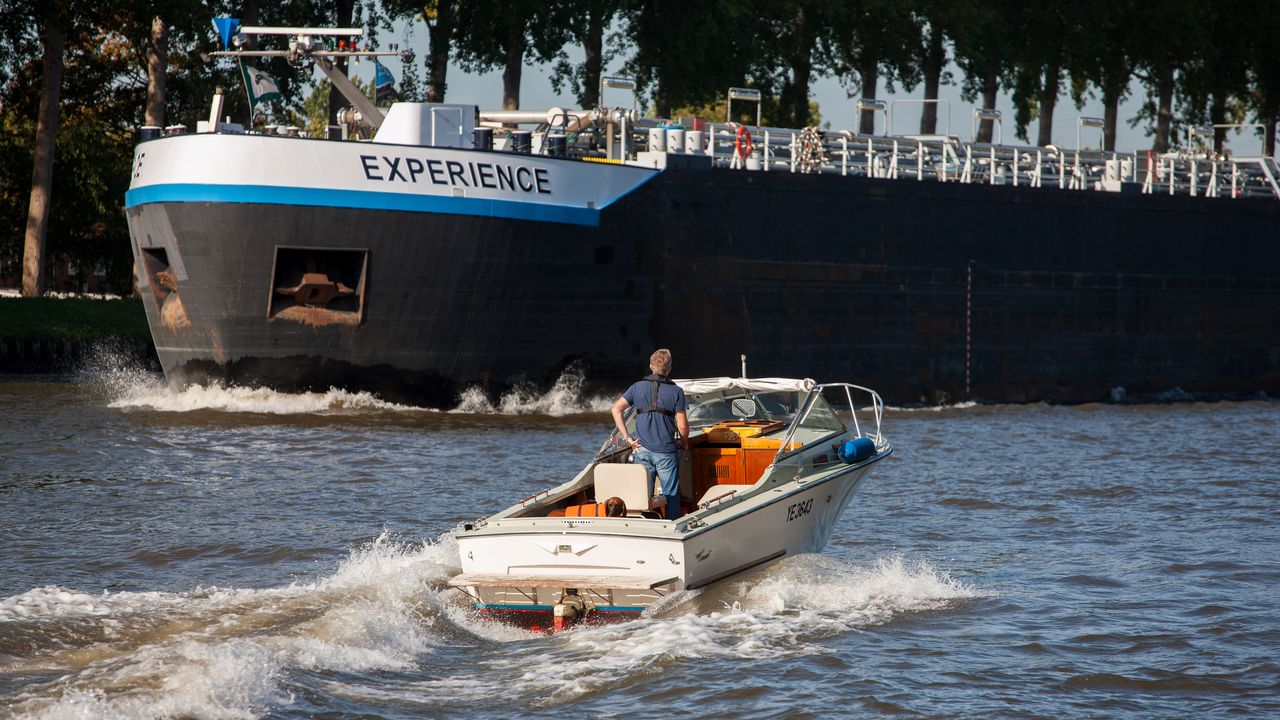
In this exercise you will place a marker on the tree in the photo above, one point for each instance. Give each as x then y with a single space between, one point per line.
669 38
438 15
933 17
792 59
586 22
51 23
157 71
981 48
1264 74
492 34
1108 62
1171 37
874 39
1215 84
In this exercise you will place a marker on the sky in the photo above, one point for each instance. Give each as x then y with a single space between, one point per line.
835 105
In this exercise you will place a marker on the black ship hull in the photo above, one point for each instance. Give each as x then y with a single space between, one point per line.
941 292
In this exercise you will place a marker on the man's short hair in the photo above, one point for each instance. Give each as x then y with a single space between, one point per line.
660 361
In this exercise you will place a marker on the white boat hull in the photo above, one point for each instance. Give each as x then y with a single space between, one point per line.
625 565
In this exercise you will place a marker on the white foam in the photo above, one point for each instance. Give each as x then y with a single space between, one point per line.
566 397
130 388
792 611
156 395
220 653
933 408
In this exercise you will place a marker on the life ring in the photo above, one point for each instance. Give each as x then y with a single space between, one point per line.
742 143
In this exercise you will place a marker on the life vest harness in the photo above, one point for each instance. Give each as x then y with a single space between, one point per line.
657 381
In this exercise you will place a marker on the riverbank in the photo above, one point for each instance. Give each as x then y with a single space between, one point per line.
56 334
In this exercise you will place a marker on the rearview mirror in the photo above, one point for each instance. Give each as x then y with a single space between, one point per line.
744 408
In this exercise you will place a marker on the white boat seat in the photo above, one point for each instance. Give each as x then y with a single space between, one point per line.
627 481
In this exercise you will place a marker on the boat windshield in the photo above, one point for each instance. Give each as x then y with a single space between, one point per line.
710 408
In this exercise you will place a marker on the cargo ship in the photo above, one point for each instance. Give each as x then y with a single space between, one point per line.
461 247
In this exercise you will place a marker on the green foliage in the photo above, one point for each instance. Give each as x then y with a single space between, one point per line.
314 112
772 113
679 62
586 22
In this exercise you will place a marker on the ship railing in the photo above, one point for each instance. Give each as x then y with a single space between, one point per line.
943 158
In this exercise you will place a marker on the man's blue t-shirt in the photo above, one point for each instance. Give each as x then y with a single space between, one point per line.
654 430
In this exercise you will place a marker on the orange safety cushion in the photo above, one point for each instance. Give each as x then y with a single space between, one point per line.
588 510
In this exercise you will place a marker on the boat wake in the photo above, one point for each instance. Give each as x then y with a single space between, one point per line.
386 610
154 394
965 405
133 388
566 397
222 652
790 612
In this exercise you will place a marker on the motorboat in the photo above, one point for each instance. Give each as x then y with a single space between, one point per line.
770 465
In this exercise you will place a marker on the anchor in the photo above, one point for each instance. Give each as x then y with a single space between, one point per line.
316 289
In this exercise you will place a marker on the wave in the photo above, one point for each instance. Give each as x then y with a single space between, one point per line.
566 397
229 652
967 404
790 612
130 387
222 652
157 396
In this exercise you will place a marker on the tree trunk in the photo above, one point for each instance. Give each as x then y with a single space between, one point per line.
336 100
1218 116
157 71
1164 110
661 104
801 76
801 70
592 64
514 68
990 89
1110 116
33 284
1048 103
1269 133
934 58
438 34
869 77
249 16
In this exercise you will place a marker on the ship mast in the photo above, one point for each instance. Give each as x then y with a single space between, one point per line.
306 45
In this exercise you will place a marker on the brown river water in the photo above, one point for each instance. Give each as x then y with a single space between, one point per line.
236 553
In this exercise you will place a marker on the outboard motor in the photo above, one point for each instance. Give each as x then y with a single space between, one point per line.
571 609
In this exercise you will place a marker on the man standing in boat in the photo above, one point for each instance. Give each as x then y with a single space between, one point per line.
660 411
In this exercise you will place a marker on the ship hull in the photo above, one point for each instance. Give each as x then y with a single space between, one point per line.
941 291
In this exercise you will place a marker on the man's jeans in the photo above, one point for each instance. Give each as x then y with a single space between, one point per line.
667 467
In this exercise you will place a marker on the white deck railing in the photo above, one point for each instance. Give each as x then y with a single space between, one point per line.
948 159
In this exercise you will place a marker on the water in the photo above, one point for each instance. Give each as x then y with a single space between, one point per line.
239 554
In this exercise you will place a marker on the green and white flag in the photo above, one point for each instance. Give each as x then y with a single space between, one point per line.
260 86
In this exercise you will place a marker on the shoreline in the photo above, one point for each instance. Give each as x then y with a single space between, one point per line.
50 335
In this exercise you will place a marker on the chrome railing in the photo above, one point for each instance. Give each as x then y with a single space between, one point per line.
949 159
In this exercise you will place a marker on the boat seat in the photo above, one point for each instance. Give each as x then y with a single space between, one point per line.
627 481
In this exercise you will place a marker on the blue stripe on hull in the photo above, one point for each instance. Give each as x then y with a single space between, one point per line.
362 199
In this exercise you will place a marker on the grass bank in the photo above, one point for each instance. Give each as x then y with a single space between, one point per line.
73 319
60 335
